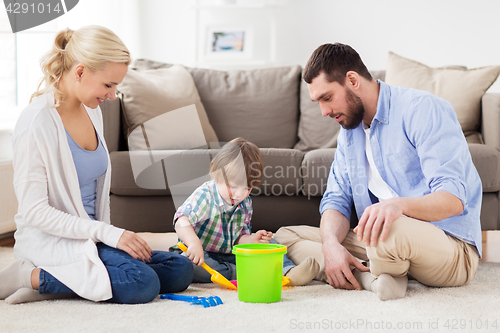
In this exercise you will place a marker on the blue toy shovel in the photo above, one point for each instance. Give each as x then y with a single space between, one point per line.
205 301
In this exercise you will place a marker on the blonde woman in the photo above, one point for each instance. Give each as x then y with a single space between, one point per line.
64 240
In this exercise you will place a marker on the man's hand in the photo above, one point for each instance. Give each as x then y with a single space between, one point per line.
334 228
134 245
337 270
377 220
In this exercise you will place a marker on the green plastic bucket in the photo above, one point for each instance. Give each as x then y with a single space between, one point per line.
259 269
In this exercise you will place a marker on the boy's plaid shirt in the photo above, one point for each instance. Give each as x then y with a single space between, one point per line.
215 227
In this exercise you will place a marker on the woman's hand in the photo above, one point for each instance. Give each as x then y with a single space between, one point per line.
134 245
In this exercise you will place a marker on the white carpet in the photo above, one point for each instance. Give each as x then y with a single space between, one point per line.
316 307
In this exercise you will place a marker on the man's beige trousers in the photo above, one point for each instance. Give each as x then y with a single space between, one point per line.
412 246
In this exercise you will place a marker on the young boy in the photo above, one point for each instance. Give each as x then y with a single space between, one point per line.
217 216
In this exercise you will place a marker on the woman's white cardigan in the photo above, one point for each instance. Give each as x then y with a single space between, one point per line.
53 229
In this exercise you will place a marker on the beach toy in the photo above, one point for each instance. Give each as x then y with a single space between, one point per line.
205 301
216 277
259 275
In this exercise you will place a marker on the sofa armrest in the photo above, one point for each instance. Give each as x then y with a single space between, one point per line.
490 122
111 114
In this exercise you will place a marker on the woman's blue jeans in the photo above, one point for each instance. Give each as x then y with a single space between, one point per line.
133 281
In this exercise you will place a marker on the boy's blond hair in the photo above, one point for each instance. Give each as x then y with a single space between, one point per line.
238 161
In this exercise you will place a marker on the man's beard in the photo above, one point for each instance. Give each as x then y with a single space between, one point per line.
356 111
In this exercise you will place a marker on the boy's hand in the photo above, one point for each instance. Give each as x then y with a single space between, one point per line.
195 253
262 236
187 235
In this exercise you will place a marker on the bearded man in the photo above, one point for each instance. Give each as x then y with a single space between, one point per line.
402 161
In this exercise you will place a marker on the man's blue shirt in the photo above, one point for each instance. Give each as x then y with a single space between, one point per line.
418 148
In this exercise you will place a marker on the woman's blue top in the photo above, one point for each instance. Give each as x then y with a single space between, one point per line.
90 165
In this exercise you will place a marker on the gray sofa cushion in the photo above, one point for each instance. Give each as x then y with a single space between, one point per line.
111 114
123 182
260 105
141 173
282 172
156 213
316 166
160 172
490 212
315 169
487 162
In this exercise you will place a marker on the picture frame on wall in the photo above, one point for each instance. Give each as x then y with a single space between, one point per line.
228 43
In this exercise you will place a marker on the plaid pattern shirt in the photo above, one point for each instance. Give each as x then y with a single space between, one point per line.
217 228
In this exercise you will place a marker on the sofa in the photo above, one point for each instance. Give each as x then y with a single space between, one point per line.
270 107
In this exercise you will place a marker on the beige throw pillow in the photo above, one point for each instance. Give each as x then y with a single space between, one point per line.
260 105
462 87
150 98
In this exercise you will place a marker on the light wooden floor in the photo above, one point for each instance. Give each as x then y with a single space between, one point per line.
491 245
7 241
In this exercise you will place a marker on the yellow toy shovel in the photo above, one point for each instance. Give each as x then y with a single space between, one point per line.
216 278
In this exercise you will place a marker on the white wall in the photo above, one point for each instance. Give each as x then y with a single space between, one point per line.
168 30
433 32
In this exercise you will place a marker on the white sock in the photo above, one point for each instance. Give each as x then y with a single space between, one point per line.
386 286
304 272
15 276
25 295
365 279
389 287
